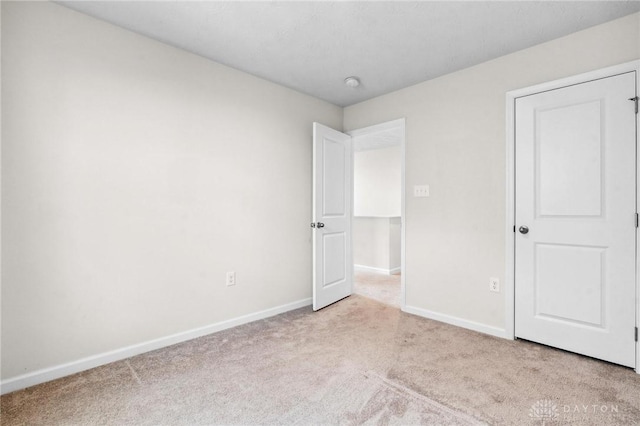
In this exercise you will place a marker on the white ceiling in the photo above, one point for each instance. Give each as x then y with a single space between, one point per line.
312 46
383 139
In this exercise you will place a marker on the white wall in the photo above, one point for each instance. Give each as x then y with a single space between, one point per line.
376 243
134 175
371 242
0 194
395 244
377 194
377 182
455 142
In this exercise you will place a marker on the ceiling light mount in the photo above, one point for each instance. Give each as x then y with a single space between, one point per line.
352 82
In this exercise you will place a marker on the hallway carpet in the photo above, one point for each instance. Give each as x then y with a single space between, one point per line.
381 287
355 362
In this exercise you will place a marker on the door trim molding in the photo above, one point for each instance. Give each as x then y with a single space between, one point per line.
511 96
388 125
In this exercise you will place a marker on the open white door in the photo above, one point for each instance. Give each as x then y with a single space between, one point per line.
575 212
332 258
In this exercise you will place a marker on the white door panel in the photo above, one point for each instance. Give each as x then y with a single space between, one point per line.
564 130
332 258
575 192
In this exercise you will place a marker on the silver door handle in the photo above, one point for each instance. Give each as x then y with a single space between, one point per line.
523 230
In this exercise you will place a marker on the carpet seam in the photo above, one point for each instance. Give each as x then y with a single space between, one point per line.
133 373
400 390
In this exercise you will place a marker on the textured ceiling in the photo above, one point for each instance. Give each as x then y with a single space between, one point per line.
313 46
378 140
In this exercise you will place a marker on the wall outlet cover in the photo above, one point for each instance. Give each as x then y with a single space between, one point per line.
231 278
494 284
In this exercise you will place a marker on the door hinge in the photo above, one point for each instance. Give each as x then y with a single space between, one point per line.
514 228
635 99
637 220
636 334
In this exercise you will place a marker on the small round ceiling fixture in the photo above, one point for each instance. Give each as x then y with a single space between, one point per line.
352 82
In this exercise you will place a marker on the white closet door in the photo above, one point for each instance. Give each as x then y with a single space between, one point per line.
575 214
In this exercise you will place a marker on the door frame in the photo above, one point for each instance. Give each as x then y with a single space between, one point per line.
509 287
388 125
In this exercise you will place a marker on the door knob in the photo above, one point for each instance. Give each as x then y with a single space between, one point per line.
320 225
523 230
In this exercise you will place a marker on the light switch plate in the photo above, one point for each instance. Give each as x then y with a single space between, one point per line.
421 190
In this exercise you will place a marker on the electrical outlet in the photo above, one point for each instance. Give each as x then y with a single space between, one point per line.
494 285
231 278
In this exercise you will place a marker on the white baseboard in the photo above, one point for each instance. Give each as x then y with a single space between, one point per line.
459 322
363 268
58 371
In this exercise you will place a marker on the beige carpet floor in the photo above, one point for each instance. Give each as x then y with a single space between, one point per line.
380 287
355 362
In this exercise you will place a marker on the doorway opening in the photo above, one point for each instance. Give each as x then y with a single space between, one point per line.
378 212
